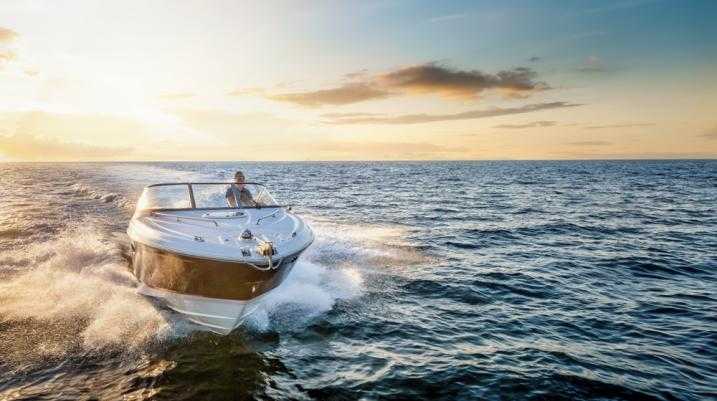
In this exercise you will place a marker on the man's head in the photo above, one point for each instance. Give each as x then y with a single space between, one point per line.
239 177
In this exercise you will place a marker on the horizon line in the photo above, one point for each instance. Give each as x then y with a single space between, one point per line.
712 158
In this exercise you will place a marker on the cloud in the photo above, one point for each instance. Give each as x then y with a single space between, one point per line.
30 147
636 156
177 95
533 124
434 78
590 143
360 74
405 147
430 78
7 35
370 150
628 125
103 130
346 94
467 115
348 115
6 55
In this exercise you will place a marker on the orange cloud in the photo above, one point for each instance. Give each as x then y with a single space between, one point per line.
390 150
6 55
348 115
534 124
346 94
100 131
628 125
428 78
590 143
466 115
711 134
30 147
247 92
7 35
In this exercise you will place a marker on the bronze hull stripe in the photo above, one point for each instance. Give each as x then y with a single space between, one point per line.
203 277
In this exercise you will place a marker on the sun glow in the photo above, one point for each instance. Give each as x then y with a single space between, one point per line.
247 81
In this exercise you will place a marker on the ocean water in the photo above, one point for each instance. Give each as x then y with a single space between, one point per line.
451 280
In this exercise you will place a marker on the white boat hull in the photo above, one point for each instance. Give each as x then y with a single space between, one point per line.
211 263
220 316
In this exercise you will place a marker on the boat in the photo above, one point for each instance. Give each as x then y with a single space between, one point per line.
210 260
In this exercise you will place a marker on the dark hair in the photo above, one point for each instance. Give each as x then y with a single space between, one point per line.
237 174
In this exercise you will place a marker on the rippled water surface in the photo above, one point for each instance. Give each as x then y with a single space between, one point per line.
476 280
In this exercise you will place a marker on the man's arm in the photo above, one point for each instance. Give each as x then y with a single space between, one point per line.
247 199
231 198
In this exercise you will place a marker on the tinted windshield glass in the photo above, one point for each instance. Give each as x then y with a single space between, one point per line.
231 195
165 197
177 196
210 195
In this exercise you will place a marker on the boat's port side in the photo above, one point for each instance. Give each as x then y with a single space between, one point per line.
182 274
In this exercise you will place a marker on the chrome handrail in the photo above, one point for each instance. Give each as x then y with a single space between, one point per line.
267 216
185 217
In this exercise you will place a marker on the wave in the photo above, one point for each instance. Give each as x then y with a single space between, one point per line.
335 268
69 293
78 286
93 193
80 282
363 245
310 290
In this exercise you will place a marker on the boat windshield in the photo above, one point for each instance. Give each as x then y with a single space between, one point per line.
205 196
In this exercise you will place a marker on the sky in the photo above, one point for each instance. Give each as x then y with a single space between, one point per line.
359 80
